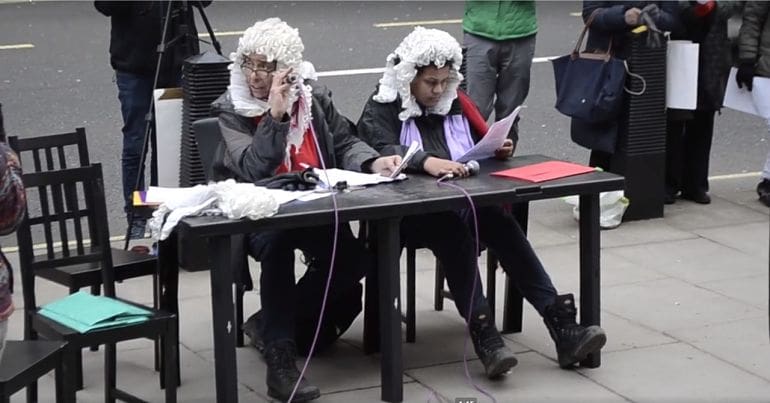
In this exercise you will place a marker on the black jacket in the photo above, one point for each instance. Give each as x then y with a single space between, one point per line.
610 22
137 28
380 127
254 151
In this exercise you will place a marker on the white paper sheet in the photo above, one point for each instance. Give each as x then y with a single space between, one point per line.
739 99
493 140
352 178
682 75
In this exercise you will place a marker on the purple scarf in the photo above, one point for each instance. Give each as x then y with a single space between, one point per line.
457 134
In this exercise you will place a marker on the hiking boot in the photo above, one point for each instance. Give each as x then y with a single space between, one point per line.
573 342
490 347
283 375
763 191
253 329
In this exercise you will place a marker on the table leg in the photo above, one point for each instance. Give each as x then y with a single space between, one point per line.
225 368
372 305
590 268
388 249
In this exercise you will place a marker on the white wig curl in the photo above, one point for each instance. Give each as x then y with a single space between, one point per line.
422 47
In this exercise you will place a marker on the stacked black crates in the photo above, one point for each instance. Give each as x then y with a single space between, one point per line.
204 78
640 155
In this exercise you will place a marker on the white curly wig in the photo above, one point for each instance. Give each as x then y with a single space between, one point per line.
277 41
420 48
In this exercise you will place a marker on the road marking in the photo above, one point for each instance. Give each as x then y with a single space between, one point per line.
735 176
411 23
353 72
576 14
223 33
17 46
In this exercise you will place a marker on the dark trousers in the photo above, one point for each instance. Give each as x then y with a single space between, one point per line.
134 93
452 240
688 146
278 291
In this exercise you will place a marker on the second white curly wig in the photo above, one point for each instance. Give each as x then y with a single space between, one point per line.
422 47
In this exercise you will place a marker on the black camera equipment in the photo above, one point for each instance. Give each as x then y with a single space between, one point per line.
182 42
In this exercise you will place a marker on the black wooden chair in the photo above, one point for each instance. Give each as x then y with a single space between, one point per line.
70 204
70 150
24 362
208 137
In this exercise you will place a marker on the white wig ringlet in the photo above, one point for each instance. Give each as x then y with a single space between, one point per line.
420 48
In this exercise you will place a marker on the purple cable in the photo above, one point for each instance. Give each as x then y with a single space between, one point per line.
441 182
331 269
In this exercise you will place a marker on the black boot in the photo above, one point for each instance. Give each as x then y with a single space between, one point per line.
490 347
282 373
573 342
252 328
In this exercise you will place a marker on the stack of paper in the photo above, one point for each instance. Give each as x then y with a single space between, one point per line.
85 312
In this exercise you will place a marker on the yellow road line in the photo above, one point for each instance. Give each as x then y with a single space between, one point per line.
411 23
17 46
223 33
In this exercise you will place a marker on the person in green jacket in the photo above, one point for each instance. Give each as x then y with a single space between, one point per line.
499 41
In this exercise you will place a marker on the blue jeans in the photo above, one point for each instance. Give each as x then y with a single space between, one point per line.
281 297
134 93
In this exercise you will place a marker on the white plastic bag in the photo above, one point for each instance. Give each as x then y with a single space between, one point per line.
612 206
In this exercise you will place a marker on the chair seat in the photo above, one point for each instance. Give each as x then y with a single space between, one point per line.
127 265
155 325
25 361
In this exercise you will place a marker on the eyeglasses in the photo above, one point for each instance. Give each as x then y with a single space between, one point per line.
262 69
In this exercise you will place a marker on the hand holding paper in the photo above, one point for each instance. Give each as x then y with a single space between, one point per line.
410 152
493 140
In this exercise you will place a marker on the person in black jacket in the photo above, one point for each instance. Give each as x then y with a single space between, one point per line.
610 28
136 32
274 123
689 133
418 100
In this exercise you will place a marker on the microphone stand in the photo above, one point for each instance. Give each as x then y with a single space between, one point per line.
182 8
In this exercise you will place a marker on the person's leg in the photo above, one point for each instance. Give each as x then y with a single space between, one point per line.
275 252
601 159
344 300
500 231
447 236
763 188
514 71
481 71
674 159
3 332
697 145
134 94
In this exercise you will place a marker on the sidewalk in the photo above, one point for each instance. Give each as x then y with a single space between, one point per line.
684 305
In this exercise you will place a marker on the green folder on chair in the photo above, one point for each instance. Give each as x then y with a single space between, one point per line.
85 312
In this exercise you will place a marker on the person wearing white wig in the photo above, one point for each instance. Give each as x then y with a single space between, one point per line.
418 100
276 122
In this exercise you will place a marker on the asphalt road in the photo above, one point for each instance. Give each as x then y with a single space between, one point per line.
64 79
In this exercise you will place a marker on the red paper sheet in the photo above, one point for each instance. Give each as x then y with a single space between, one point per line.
544 171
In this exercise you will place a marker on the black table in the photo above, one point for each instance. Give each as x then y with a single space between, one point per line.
384 206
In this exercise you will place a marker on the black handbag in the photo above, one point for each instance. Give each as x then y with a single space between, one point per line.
589 86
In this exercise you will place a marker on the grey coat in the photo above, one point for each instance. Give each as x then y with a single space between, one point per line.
754 39
254 151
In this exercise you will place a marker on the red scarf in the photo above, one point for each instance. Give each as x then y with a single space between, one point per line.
472 113
305 156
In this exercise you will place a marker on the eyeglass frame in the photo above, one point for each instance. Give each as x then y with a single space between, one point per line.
249 69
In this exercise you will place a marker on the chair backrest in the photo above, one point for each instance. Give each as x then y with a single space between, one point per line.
51 152
67 208
208 136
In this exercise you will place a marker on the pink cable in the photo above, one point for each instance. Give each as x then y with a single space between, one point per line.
331 267
441 182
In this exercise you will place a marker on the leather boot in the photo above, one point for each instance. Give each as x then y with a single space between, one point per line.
573 342
489 345
282 373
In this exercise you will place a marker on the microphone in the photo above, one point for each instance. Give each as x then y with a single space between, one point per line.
471 166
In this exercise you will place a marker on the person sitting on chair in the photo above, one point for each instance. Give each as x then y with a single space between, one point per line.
418 100
274 122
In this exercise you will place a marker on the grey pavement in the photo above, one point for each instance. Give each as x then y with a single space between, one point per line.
684 304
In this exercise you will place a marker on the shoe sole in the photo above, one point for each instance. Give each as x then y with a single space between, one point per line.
502 367
297 398
593 343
